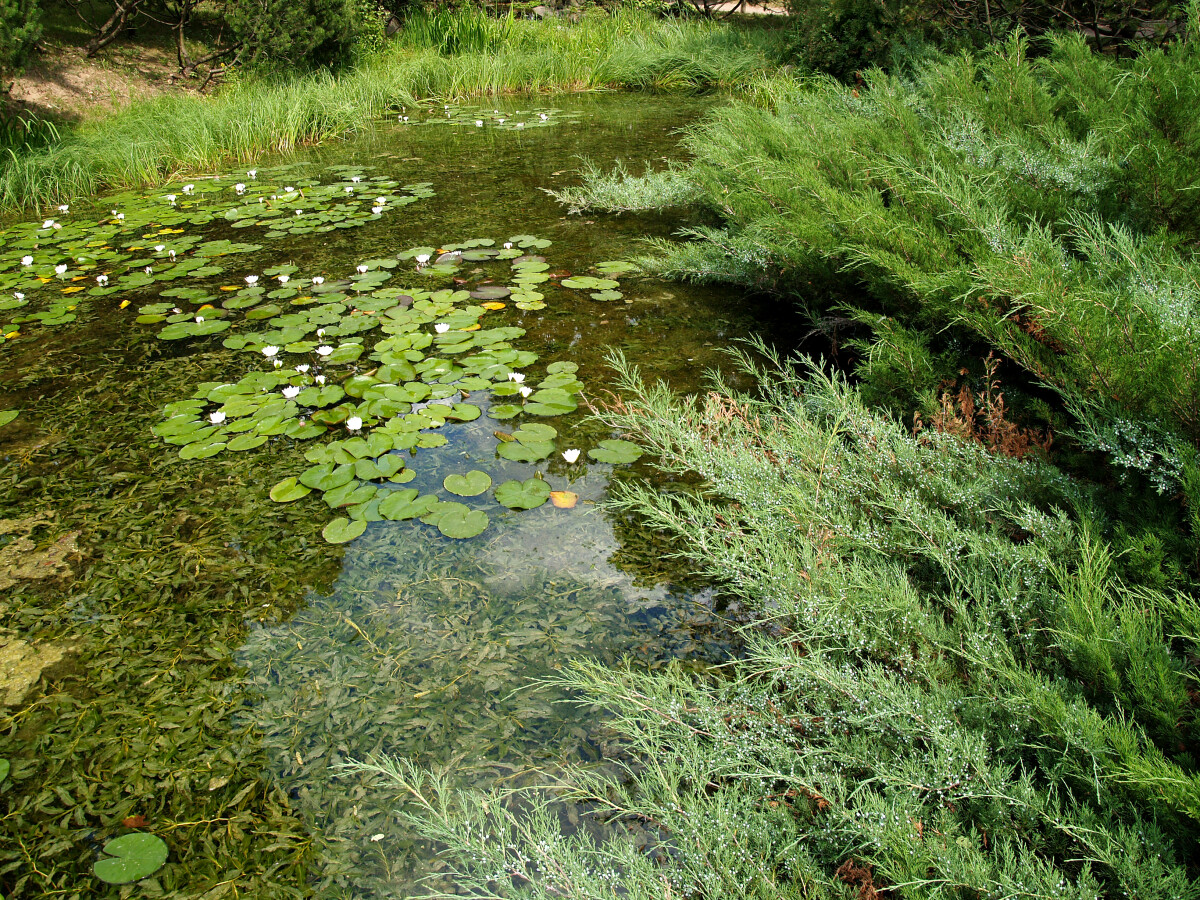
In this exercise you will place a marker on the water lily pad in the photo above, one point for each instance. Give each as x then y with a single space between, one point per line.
406 504
456 520
490 292
339 531
288 490
528 494
532 432
616 452
564 499
7 415
470 484
530 452
130 858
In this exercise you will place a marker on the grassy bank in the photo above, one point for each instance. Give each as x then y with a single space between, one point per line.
444 57
974 652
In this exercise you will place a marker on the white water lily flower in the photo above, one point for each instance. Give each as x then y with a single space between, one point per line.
270 350
120 217
287 190
518 377
49 223
176 310
290 391
525 392
479 123
199 319
348 189
159 248
216 417
320 379
299 212
171 199
441 327
253 173
284 279
501 121
64 208
60 269
317 279
422 258
570 455
380 201
188 188
362 270
543 116
302 368
354 423
252 280
18 295
149 270
171 253
508 245
277 363
404 118
320 332
356 178
376 210
324 350
27 260
102 280
240 188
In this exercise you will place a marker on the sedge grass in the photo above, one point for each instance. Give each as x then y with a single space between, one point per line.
447 56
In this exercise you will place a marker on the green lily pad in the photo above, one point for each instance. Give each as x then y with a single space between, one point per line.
130 858
528 494
288 490
616 452
339 531
530 452
504 411
456 520
535 432
406 504
471 484
7 415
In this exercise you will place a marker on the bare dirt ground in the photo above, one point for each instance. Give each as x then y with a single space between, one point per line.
61 83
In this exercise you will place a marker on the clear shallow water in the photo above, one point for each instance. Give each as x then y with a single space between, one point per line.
411 644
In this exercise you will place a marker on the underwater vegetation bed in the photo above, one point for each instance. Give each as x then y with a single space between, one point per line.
204 385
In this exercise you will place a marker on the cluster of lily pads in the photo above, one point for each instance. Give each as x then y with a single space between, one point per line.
48 265
431 354
484 117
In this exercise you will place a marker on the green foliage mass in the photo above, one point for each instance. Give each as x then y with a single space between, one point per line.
947 690
287 32
1045 209
19 31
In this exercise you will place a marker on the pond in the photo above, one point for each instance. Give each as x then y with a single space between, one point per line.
297 469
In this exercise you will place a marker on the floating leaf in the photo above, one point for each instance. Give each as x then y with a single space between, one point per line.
470 484
406 504
6 416
616 452
564 499
528 494
130 858
288 490
339 531
461 522
530 452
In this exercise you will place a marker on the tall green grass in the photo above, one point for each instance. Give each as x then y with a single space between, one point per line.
443 56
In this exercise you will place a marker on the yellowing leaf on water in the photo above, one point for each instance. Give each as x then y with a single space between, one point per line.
73 290
205 306
229 287
171 231
474 327
11 335
504 436
564 499
492 305
43 280
124 303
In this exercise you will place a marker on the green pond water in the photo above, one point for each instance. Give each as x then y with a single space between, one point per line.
187 657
